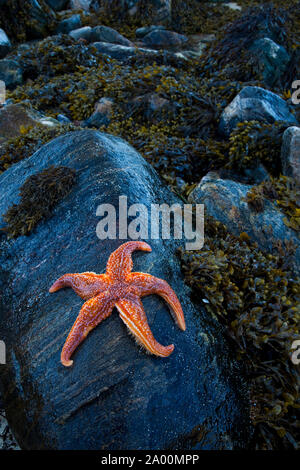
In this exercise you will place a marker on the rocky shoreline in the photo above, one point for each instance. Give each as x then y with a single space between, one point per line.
204 94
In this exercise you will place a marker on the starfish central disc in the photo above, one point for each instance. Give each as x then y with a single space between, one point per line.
121 288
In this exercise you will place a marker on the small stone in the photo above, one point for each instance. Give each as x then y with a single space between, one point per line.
101 115
11 73
110 35
5 45
255 103
164 38
290 153
63 119
69 24
82 33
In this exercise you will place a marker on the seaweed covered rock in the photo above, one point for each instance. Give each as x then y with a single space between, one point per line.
5 44
11 73
255 104
244 211
81 4
234 52
290 153
196 398
27 19
272 59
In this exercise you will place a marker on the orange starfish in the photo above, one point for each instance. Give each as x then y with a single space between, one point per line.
121 288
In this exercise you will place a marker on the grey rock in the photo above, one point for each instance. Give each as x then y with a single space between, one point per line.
40 16
63 119
141 32
255 103
81 4
115 396
57 5
5 44
225 201
101 115
82 33
106 34
116 51
11 73
290 153
164 38
272 58
69 24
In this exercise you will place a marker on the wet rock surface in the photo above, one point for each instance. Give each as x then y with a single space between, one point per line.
273 59
115 396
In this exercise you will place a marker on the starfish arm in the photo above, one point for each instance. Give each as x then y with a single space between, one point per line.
86 285
120 263
133 315
92 313
146 284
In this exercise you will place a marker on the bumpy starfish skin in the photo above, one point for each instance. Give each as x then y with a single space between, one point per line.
121 288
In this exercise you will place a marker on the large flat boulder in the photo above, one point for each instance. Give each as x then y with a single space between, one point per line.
114 396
